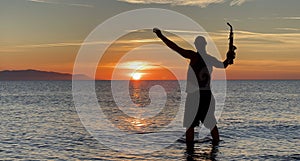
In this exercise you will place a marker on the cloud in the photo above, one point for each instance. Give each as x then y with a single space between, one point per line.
237 2
269 65
6 50
200 3
82 5
264 46
186 31
257 37
288 29
244 37
44 1
60 44
290 18
60 3
142 65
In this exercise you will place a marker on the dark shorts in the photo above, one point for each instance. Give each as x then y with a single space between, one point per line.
200 106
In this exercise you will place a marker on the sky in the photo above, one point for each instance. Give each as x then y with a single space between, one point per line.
47 35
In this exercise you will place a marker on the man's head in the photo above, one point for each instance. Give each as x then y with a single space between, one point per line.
200 44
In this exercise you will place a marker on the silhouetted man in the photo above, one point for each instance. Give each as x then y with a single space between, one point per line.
198 84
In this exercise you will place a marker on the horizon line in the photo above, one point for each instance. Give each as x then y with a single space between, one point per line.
246 79
161 80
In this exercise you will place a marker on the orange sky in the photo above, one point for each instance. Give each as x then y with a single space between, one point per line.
267 36
153 61
141 52
148 60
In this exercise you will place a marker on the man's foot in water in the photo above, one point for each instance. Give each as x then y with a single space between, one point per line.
215 142
190 148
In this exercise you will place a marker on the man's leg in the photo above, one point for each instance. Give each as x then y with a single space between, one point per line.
215 135
190 138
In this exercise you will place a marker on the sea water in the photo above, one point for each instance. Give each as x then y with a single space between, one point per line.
260 121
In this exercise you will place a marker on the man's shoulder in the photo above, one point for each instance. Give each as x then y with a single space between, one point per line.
191 51
192 54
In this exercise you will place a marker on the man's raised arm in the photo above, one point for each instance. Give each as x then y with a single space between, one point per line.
183 52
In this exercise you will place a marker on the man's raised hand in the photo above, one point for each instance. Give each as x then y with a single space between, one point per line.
157 31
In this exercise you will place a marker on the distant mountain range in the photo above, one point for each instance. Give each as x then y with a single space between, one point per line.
38 75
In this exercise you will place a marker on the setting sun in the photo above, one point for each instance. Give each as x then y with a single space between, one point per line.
136 76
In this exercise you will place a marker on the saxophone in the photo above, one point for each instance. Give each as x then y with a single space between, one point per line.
232 48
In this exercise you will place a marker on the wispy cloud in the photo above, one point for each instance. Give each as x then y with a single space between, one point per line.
82 5
9 50
288 29
269 65
200 3
237 2
290 18
245 37
60 44
186 31
137 65
44 1
257 37
173 31
60 3
267 45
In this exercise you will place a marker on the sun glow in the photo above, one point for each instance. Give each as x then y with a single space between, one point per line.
136 76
